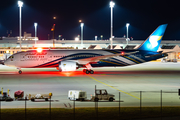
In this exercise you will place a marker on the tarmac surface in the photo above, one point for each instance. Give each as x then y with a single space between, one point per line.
149 78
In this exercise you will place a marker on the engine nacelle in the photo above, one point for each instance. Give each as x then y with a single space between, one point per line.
67 66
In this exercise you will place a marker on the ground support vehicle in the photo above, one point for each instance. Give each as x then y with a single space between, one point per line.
33 97
102 94
18 95
5 97
169 60
77 95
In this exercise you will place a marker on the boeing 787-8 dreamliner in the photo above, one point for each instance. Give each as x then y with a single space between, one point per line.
70 60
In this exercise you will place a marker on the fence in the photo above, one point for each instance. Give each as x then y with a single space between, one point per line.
148 104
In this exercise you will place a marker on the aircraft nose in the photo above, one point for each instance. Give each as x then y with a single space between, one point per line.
6 62
2 62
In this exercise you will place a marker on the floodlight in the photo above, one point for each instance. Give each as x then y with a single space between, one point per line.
82 24
20 3
35 24
111 4
127 24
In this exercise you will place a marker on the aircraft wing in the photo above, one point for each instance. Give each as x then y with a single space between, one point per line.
98 58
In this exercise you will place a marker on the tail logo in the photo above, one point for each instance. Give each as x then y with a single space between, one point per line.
154 40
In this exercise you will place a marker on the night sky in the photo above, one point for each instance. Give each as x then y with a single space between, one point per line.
143 15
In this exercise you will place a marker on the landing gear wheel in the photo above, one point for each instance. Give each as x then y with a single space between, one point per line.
20 72
91 72
87 71
96 99
110 99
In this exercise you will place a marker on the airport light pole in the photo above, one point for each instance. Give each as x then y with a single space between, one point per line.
52 29
20 4
82 25
111 6
35 26
127 25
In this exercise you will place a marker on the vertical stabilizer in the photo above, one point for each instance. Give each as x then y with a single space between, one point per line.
153 42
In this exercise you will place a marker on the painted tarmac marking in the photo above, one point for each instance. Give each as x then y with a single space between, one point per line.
114 88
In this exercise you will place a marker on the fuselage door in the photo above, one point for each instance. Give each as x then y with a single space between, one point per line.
50 57
22 57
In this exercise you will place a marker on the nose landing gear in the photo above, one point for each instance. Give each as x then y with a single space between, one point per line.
20 71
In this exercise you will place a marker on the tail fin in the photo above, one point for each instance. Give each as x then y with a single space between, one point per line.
153 42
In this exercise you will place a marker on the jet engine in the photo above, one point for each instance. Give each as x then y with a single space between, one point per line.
67 66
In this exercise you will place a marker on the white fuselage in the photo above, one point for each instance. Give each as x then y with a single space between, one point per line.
33 58
70 60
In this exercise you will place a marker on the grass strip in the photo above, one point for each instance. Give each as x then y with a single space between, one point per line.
110 113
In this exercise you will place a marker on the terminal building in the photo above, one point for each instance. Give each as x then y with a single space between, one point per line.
11 45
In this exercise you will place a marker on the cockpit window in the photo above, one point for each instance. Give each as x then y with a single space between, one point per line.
11 56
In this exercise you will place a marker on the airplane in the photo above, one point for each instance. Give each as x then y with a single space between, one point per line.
71 60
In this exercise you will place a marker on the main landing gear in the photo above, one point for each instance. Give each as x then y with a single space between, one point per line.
88 71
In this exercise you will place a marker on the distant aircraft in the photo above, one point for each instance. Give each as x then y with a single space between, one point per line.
70 60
